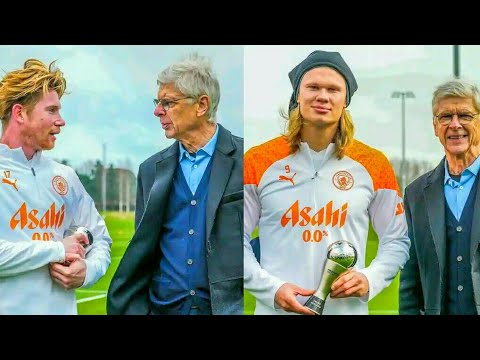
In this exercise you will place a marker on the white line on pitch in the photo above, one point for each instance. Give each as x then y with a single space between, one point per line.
86 291
91 298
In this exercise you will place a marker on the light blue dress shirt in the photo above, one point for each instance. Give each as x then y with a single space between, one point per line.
193 166
456 192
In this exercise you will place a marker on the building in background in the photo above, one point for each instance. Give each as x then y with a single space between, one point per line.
121 185
121 190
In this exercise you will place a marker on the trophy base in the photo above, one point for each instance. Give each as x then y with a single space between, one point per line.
315 304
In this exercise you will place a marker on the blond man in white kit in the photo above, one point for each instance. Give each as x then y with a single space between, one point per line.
315 186
41 199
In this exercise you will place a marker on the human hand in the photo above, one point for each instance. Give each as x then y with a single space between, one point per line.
285 298
71 274
75 244
350 283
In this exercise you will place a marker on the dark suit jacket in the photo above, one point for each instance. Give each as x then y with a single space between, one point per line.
129 289
423 279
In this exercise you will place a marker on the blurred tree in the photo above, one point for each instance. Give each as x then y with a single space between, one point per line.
413 169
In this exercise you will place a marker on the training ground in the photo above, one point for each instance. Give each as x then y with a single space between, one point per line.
92 301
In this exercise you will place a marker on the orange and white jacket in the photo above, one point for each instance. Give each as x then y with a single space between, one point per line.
40 200
305 201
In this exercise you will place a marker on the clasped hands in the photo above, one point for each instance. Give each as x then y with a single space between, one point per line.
71 273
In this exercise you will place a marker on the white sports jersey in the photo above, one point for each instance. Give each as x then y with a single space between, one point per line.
305 201
40 200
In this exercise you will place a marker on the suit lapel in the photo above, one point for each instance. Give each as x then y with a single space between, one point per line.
475 235
435 200
221 170
158 196
474 241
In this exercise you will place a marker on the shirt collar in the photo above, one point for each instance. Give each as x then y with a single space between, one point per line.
327 152
18 155
473 169
208 148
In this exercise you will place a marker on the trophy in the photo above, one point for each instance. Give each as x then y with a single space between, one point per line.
341 255
82 230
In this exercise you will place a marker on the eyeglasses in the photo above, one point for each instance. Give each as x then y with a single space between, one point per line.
463 118
167 104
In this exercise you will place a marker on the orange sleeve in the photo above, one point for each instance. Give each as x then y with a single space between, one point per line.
377 165
259 158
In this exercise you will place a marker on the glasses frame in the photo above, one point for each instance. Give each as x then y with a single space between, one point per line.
462 122
167 104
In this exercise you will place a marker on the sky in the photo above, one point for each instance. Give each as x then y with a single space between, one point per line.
379 70
111 91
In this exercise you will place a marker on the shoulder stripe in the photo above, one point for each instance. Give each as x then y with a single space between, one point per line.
259 158
377 165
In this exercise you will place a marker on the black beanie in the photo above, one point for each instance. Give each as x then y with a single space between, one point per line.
316 59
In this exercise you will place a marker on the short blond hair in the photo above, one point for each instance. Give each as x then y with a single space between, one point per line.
27 86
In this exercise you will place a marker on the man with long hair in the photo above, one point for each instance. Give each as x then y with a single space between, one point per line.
314 186
42 200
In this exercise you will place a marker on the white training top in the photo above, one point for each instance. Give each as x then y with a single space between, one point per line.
40 200
305 201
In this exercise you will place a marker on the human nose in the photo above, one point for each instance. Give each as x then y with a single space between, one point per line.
159 110
60 121
455 122
322 95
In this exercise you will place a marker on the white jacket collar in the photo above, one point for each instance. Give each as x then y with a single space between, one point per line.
18 155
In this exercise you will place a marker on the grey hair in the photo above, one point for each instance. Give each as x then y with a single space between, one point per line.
456 88
194 77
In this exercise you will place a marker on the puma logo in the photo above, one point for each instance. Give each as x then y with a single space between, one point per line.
286 178
7 180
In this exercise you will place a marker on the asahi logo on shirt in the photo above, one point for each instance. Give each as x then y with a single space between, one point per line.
304 216
32 219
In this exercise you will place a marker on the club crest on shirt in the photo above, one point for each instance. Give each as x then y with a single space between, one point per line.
343 180
60 185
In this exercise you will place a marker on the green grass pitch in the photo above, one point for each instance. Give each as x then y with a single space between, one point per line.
92 301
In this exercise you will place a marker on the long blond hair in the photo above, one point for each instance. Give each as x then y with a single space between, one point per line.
343 137
27 86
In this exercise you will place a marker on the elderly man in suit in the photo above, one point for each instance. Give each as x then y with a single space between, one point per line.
186 256
443 273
